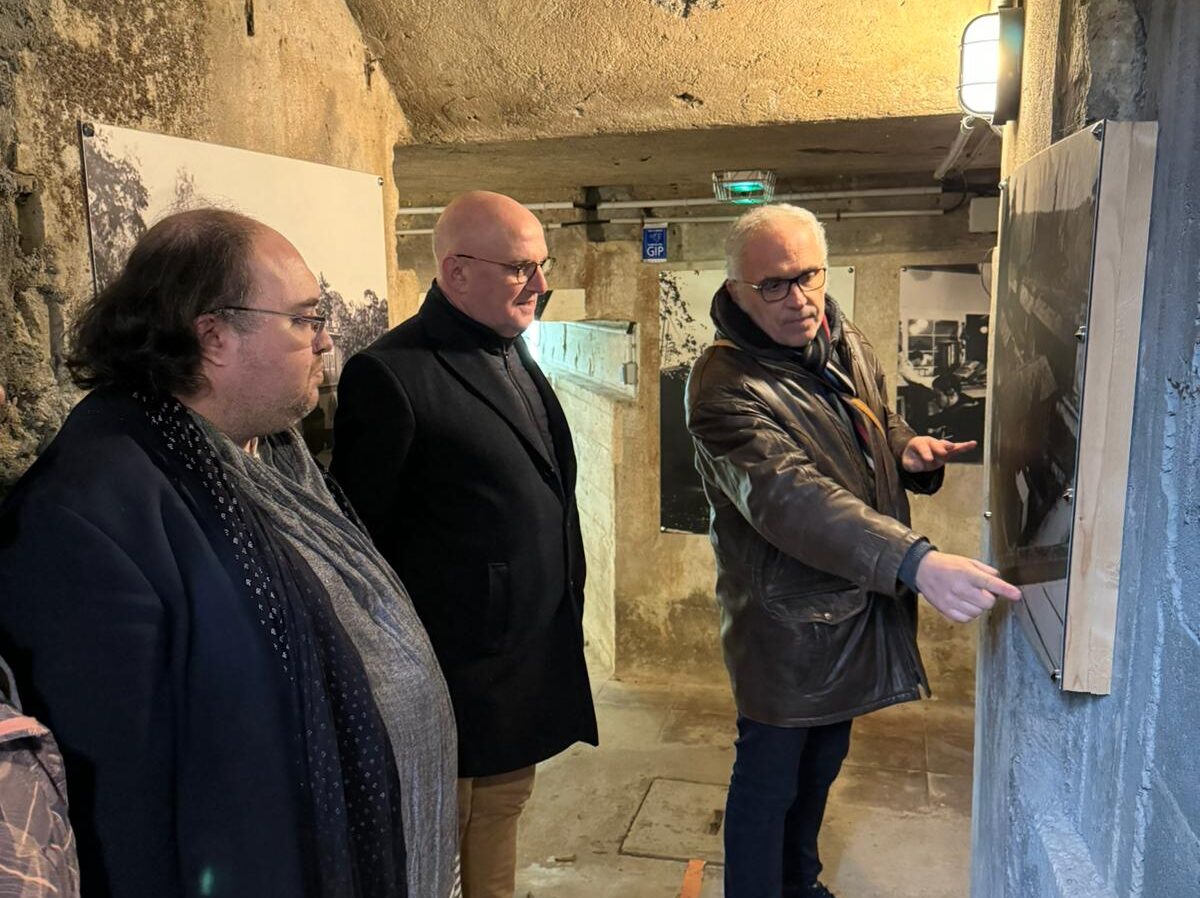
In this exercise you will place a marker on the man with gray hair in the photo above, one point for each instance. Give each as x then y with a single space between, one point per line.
806 468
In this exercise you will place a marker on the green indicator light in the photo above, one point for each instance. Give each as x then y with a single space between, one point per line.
207 881
745 187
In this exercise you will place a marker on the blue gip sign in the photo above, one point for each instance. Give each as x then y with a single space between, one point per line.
654 243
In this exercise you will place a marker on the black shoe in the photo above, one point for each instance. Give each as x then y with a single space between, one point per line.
818 890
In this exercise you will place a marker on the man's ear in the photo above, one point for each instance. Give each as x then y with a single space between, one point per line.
731 289
216 337
452 273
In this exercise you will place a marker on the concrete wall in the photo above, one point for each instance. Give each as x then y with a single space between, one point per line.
1099 797
297 88
594 427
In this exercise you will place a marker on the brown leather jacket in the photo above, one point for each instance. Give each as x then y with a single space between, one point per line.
815 626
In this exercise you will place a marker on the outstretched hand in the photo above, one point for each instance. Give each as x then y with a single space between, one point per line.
923 454
961 588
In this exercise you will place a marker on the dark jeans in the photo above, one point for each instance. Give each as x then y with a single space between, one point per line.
781 779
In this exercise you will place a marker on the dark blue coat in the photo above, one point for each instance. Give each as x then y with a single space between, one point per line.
459 491
131 638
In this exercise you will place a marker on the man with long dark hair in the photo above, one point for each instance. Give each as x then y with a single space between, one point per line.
246 701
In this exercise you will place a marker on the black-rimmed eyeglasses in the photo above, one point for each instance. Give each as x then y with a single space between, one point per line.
775 289
519 271
316 322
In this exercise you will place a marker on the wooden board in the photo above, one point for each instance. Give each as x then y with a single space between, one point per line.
1106 419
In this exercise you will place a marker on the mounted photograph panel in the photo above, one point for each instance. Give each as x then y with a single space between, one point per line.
1067 322
941 380
333 216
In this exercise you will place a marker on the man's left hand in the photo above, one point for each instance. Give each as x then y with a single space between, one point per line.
923 454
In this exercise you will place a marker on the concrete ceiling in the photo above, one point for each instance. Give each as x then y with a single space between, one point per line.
511 70
539 98
887 152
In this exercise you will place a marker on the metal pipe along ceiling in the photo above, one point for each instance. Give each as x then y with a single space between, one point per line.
676 202
714 219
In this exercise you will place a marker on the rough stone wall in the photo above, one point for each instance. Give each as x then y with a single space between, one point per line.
1096 797
298 87
1031 133
1094 41
506 69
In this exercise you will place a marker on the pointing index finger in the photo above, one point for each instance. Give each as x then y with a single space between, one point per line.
996 586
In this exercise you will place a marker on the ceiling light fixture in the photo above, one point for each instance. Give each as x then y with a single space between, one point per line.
744 188
989 74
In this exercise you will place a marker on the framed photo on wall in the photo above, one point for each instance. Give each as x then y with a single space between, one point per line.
941 384
333 216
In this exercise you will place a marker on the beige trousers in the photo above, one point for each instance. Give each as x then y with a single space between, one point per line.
489 808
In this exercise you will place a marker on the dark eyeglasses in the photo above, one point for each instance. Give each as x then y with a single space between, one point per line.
520 271
316 322
775 289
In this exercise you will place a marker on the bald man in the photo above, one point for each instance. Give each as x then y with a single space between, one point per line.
455 452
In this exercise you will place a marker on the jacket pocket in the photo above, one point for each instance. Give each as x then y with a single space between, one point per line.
494 626
832 601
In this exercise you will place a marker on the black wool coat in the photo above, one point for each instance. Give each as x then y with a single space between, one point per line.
131 636
457 487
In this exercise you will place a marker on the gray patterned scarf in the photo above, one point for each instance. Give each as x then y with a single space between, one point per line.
375 611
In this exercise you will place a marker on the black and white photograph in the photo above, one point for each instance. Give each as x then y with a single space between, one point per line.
941 387
686 330
333 216
1043 286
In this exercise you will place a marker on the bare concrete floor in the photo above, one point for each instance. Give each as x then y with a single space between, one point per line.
622 821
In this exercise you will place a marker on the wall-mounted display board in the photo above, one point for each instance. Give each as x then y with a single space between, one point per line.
1067 318
941 384
333 216
686 329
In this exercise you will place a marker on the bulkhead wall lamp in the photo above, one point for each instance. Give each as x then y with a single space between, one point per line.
989 73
